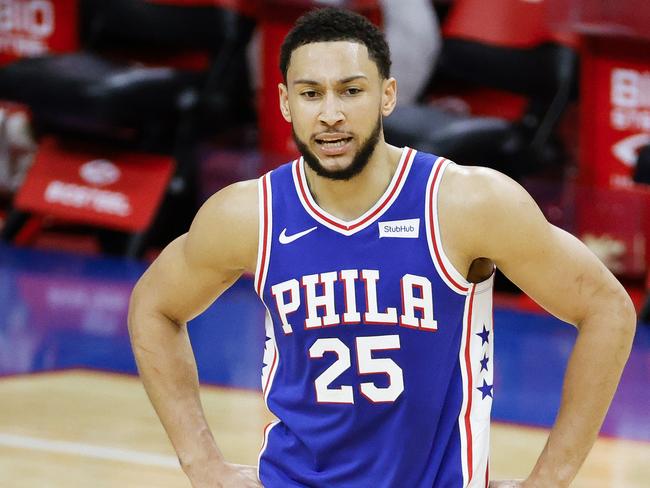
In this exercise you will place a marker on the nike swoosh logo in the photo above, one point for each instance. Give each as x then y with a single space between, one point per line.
285 239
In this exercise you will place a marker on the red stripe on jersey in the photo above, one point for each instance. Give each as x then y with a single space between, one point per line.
265 246
302 185
433 231
468 368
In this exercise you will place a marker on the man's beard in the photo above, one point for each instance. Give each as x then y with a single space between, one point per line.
359 162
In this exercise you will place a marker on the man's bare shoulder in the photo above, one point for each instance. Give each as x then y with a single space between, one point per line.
478 193
225 230
479 207
477 188
236 202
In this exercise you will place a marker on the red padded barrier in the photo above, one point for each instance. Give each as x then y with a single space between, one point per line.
508 23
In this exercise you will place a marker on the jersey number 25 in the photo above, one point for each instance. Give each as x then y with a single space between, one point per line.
366 365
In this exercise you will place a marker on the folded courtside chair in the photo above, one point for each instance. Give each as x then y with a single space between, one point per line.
501 45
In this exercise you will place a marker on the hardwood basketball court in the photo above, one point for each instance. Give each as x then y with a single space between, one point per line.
84 428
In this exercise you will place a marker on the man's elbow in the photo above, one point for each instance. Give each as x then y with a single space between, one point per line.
628 315
622 314
612 313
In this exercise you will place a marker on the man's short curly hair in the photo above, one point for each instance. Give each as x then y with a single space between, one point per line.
334 24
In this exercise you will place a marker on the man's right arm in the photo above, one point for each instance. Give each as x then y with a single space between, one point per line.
181 283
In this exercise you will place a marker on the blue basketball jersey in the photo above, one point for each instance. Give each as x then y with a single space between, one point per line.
378 361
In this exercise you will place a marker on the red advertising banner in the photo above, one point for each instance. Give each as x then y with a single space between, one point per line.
615 110
35 27
106 188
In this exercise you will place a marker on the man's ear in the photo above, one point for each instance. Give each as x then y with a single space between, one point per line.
388 96
284 102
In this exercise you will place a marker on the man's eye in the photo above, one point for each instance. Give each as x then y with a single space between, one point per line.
310 94
353 91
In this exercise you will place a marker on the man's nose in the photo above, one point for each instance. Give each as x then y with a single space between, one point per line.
331 111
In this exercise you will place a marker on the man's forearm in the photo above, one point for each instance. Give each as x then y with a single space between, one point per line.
168 370
594 370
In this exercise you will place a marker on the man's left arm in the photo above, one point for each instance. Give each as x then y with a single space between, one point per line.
557 271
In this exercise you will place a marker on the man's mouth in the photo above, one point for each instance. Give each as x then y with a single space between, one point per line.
332 142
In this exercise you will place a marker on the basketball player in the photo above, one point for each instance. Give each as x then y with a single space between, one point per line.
376 265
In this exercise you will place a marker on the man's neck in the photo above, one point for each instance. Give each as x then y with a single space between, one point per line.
350 199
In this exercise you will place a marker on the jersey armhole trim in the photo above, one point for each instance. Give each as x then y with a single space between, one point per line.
464 417
264 232
449 274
